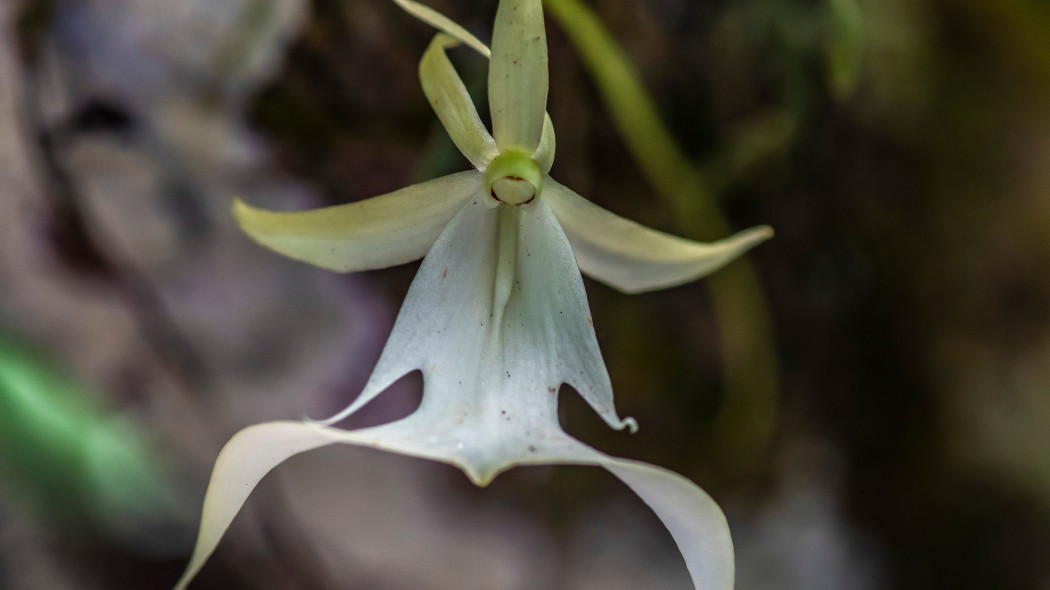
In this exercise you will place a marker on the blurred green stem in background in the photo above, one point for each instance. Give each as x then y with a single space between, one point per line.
844 47
746 422
66 458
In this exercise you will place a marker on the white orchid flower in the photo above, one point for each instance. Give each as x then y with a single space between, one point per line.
497 317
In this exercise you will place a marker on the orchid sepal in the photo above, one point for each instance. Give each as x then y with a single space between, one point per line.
633 258
518 75
544 152
453 105
443 23
379 232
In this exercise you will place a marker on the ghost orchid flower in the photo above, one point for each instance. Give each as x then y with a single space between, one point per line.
497 317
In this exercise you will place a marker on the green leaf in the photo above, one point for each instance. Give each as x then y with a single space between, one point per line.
62 455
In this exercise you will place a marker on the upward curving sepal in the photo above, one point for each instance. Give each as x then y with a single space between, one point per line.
518 75
383 231
544 154
453 105
633 258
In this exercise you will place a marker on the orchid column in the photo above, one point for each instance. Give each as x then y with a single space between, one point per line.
497 316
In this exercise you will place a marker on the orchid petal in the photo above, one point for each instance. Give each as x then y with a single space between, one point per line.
449 300
443 23
379 232
633 258
256 450
453 105
548 330
544 154
503 285
692 517
518 75
694 520
241 464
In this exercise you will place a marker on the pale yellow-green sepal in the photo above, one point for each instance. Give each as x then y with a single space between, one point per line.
443 23
453 105
544 154
633 258
379 232
518 75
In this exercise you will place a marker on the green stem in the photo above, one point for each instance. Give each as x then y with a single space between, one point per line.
745 426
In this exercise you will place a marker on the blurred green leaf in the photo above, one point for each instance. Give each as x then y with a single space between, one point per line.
62 455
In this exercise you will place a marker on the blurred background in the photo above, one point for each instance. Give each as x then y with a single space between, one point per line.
867 396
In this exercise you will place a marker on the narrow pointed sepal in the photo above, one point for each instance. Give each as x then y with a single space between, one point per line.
518 75
443 23
453 105
379 232
633 258
544 154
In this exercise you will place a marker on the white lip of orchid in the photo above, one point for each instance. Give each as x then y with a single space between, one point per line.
513 178
497 317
